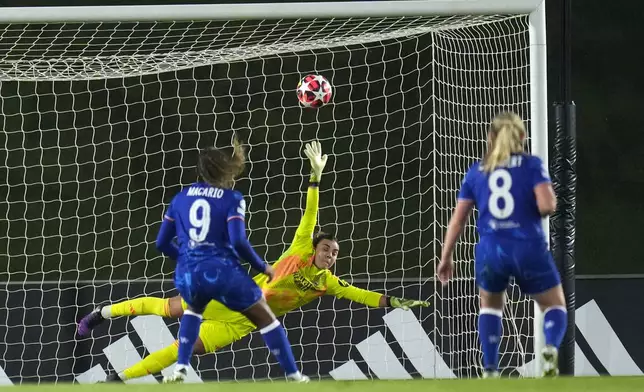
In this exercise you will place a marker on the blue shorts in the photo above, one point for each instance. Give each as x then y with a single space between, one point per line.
528 261
223 280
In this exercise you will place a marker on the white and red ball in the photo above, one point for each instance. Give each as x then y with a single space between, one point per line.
314 91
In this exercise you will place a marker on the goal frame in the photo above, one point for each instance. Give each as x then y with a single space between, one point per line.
400 8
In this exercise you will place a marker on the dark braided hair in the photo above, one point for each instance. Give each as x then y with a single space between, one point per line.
320 235
220 167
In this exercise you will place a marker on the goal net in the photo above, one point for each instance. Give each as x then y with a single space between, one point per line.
101 123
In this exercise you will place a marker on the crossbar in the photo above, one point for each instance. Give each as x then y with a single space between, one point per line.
244 11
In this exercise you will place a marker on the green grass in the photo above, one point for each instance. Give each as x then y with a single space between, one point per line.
577 384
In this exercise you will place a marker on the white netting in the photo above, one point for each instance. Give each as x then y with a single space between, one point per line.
479 70
101 124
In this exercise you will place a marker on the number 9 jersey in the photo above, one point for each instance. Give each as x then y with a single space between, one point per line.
201 214
505 197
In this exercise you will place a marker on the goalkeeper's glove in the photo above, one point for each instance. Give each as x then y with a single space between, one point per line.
313 151
406 304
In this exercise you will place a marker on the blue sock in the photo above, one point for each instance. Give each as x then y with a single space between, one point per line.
490 332
277 342
555 322
188 334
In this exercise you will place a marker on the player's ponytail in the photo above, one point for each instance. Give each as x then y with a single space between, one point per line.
505 137
220 167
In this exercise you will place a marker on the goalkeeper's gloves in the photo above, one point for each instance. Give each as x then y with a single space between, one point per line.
406 304
313 151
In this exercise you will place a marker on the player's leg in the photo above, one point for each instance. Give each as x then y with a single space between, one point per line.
490 328
539 278
155 362
164 307
244 296
275 337
188 336
188 284
492 279
555 322
213 335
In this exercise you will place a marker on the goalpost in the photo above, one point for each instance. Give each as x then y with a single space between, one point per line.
104 108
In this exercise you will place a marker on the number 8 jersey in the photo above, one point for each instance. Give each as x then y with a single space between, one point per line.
505 197
201 214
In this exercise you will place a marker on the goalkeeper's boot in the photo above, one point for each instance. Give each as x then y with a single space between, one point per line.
177 377
550 356
298 377
490 373
91 321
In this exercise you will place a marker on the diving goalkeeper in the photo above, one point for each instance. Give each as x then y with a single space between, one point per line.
301 275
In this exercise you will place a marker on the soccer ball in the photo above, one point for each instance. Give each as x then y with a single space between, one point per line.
314 91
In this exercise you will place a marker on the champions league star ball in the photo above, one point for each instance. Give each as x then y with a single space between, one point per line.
314 91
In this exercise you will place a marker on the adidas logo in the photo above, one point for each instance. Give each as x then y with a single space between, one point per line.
380 358
375 351
420 350
122 354
382 361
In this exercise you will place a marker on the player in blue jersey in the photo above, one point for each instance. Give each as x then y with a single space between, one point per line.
207 221
512 192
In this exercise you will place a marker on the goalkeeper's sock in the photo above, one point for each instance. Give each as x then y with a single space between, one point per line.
153 363
188 334
555 322
490 330
138 307
278 344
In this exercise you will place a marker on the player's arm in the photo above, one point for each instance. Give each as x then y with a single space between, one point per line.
305 230
546 199
166 234
238 239
461 214
341 289
545 195
456 225
309 219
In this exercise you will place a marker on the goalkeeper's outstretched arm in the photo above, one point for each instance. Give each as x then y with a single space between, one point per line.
304 233
341 289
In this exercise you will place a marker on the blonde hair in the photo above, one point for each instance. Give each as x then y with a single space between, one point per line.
220 167
506 136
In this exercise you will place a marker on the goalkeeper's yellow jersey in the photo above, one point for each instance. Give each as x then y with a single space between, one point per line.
297 280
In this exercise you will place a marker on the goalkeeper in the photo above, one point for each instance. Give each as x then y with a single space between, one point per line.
301 275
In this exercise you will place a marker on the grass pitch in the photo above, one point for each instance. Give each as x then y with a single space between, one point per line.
576 384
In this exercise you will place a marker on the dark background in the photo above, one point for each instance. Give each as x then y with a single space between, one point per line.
606 89
606 84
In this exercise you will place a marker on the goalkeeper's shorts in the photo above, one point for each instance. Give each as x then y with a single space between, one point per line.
217 334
